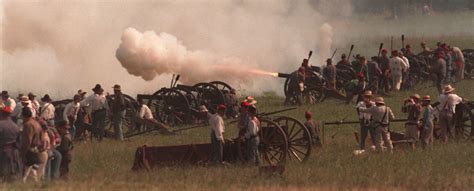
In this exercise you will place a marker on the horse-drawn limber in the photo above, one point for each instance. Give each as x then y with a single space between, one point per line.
281 138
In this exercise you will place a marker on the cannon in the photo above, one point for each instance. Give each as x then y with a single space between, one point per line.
282 138
179 104
313 89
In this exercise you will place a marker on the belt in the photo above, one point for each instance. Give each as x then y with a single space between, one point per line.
8 145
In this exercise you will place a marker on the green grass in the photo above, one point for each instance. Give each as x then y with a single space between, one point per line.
107 165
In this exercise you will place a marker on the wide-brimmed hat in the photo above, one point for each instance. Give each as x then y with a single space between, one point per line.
31 95
368 93
379 100
426 98
24 99
448 89
251 100
80 92
46 98
117 87
97 88
415 96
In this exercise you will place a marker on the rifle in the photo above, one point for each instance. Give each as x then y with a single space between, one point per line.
172 81
176 80
380 48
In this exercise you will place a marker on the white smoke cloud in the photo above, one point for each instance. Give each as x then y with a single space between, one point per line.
325 42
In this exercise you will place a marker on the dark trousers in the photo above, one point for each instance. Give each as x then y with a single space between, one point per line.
98 123
365 129
64 168
217 149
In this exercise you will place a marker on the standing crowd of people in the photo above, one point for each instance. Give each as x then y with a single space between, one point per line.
422 116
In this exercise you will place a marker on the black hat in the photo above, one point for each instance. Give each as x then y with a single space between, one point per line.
46 98
31 95
97 88
5 93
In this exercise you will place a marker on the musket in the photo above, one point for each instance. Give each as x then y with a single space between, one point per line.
334 53
380 48
350 52
176 80
391 43
172 81
403 41
309 55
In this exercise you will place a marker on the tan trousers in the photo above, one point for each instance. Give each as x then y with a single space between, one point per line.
382 135
397 81
446 122
411 132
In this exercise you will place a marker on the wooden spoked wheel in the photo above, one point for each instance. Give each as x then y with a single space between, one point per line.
299 138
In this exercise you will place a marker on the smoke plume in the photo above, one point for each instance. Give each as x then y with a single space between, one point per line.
148 55
325 42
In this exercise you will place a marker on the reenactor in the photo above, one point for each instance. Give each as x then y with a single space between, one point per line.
251 136
427 124
397 66
440 70
99 107
385 79
447 108
47 111
313 127
216 121
366 124
413 108
381 116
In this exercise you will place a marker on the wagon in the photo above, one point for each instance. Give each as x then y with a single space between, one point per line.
281 139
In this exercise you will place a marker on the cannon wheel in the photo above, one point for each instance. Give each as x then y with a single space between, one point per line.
273 147
222 86
131 112
209 95
170 106
189 95
299 138
466 121
314 88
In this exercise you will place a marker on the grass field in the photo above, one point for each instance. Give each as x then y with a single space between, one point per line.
107 165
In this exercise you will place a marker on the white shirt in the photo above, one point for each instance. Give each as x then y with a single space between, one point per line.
47 111
406 62
362 115
459 55
71 110
217 126
145 112
252 129
448 102
10 102
96 102
35 104
397 65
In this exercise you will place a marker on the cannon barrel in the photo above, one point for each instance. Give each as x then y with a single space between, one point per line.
284 75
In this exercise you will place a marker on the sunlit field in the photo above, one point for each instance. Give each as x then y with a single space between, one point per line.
107 165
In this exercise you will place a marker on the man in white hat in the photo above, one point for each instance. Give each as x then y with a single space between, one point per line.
381 115
447 108
16 114
366 125
427 124
412 106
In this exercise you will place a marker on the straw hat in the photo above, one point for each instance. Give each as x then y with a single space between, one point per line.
368 93
24 99
251 100
448 89
415 96
379 100
426 98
